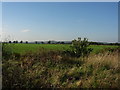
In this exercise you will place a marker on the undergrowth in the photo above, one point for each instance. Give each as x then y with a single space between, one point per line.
54 69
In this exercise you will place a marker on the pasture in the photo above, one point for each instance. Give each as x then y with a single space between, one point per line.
23 48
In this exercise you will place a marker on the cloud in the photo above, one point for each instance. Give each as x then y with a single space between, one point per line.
25 30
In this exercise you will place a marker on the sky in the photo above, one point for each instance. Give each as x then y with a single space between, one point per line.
0 21
60 21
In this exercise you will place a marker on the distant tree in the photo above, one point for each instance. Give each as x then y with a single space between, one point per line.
16 41
36 42
9 41
26 41
93 43
21 41
13 41
62 42
42 42
49 42
117 43
58 43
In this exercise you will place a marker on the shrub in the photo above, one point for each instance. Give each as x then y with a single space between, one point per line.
79 48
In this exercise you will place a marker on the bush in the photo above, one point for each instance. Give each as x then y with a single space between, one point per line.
79 48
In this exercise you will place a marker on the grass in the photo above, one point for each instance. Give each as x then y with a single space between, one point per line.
98 48
23 48
48 67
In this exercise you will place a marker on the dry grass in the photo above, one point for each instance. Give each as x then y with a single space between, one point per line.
105 71
47 69
104 59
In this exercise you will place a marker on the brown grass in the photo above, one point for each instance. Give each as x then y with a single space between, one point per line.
52 69
106 70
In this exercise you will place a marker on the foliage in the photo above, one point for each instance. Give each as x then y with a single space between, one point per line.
49 69
80 48
21 41
49 42
26 41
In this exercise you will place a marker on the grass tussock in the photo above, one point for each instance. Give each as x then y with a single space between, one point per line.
52 69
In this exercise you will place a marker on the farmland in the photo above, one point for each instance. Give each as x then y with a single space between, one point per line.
47 66
23 48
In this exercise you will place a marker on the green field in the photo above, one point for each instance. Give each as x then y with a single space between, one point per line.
23 48
26 67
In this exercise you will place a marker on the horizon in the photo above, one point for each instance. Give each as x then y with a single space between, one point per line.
24 41
60 21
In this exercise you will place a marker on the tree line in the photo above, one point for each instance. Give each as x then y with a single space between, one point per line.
60 42
37 42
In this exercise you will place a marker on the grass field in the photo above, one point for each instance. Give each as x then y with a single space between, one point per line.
23 48
49 68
